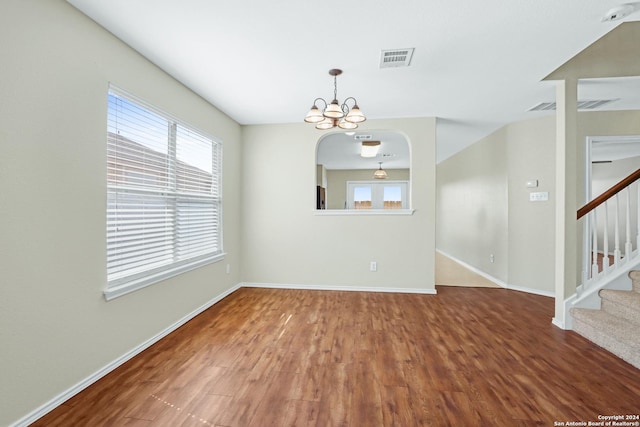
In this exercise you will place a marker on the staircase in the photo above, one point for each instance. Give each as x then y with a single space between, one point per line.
616 325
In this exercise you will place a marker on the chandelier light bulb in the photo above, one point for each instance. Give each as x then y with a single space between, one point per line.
314 115
344 124
355 115
333 110
325 124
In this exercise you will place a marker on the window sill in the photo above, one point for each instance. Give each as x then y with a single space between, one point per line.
134 285
358 212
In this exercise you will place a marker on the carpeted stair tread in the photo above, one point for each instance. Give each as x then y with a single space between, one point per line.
628 298
613 324
625 304
635 279
613 333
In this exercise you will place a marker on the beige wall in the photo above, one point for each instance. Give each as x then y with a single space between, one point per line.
531 226
286 241
55 327
483 205
472 205
337 183
483 188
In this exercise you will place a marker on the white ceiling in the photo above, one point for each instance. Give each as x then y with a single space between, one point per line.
342 151
477 65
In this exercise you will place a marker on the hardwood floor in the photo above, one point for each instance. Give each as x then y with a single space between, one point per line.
265 357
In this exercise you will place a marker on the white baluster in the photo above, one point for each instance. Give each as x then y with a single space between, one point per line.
605 243
616 251
627 245
638 222
594 249
586 253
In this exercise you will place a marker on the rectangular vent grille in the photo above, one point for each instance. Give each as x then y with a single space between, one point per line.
362 137
582 105
396 58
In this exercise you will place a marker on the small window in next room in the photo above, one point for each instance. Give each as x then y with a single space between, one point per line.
377 195
164 205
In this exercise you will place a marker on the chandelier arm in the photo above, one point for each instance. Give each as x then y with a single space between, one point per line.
351 97
345 107
320 99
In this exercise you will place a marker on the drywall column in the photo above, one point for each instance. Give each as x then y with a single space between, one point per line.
566 184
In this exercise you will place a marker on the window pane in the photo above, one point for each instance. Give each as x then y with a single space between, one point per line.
392 197
137 145
194 167
362 197
139 233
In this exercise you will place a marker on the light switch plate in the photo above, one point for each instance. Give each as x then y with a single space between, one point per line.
541 196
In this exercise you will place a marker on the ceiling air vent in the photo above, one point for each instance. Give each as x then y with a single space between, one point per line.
395 58
582 105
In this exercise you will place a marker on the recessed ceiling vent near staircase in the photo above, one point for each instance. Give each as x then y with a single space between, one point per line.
393 58
582 105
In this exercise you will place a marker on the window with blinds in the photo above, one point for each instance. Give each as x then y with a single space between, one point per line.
164 206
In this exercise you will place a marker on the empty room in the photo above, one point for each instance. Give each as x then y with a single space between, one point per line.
343 214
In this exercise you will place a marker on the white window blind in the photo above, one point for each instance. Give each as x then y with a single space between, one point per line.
164 206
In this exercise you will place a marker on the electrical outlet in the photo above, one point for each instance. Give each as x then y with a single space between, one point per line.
373 266
491 258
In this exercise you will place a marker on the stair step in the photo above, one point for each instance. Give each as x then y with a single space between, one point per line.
610 332
625 304
635 279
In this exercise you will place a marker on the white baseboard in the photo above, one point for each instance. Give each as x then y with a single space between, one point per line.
338 288
562 325
66 395
497 281
532 291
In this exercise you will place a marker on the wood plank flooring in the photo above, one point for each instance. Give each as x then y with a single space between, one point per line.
266 357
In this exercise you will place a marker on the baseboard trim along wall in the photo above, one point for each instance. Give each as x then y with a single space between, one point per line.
66 395
338 288
532 291
498 281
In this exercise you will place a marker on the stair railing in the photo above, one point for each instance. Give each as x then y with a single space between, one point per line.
603 225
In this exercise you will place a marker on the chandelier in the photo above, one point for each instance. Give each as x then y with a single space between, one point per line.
333 114
380 173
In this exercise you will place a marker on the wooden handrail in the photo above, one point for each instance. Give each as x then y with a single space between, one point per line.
608 194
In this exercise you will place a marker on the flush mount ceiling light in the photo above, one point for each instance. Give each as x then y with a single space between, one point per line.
333 114
369 149
380 173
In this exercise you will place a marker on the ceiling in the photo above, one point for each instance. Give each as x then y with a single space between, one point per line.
342 150
477 65
610 149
